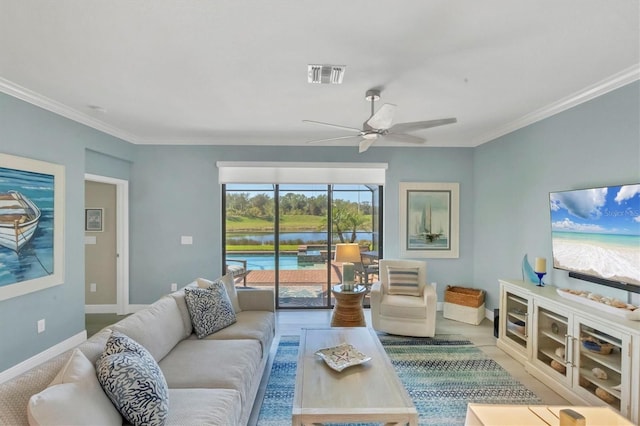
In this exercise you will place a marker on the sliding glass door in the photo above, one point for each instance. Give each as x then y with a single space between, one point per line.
285 237
304 249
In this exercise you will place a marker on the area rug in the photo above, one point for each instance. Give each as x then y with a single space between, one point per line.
441 374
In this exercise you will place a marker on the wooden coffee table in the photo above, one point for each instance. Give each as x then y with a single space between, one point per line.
370 392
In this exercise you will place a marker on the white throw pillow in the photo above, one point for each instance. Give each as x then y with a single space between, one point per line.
229 285
403 281
75 397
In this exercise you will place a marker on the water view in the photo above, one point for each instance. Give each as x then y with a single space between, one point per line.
267 262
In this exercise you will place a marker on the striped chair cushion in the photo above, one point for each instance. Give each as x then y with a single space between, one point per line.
403 281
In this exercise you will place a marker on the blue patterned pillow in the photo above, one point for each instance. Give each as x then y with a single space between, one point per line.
210 308
133 381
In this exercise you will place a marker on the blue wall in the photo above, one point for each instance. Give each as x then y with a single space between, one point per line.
174 191
594 144
28 131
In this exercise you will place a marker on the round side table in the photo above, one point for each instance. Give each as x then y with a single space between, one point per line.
348 309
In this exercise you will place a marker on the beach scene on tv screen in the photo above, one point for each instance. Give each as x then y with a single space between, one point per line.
597 232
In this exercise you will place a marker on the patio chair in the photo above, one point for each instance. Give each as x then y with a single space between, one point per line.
367 269
402 302
237 269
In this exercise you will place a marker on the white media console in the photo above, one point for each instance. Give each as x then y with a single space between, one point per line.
588 356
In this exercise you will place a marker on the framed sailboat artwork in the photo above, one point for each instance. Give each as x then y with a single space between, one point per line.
429 219
31 225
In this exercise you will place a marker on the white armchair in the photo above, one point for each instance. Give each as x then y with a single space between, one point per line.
404 314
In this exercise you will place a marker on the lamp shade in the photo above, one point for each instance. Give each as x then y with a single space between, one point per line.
347 252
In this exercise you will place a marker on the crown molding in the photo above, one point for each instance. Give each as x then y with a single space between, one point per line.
607 85
29 96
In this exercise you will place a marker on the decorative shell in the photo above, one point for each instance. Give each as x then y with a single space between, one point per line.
558 367
605 396
584 382
599 373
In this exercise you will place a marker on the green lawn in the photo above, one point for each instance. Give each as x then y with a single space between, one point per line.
287 223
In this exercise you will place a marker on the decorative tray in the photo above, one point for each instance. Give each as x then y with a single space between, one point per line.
342 356
630 312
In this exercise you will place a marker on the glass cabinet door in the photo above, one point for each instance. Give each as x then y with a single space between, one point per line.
553 343
517 319
603 365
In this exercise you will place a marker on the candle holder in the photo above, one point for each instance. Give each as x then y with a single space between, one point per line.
540 275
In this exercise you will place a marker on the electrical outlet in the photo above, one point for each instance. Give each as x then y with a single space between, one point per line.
93 287
41 326
174 287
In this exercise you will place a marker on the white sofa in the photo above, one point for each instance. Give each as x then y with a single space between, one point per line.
211 381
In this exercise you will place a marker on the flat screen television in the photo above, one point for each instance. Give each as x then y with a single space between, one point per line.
595 234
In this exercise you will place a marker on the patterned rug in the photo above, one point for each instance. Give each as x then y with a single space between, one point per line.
441 374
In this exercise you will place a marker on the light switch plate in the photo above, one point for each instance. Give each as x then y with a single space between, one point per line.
186 240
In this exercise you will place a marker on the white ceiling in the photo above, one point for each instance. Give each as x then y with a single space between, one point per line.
235 72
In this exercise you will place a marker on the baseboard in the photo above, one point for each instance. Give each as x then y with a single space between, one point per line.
43 356
112 309
488 313
100 309
135 308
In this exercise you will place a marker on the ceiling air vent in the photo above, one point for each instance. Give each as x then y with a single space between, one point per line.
326 74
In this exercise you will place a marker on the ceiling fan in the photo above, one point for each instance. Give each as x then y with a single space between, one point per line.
378 126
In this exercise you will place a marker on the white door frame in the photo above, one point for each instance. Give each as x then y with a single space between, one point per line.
122 242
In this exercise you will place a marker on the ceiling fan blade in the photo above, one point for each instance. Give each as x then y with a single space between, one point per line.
402 137
417 125
383 118
334 139
337 126
365 144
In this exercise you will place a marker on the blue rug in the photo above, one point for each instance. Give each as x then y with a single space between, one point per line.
441 374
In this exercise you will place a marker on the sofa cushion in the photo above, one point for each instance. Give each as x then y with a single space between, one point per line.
133 381
256 325
158 328
226 364
210 309
181 302
73 398
403 281
229 285
204 407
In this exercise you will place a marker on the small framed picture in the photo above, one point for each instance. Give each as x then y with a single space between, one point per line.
93 219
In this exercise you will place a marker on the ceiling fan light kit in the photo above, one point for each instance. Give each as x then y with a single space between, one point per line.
379 126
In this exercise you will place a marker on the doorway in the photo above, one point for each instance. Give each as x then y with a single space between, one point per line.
106 245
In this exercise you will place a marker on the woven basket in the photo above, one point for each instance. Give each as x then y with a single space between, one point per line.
464 296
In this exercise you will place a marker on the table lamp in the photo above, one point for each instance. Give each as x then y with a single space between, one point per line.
347 254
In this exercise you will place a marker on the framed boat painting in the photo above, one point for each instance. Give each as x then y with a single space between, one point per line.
429 219
31 225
